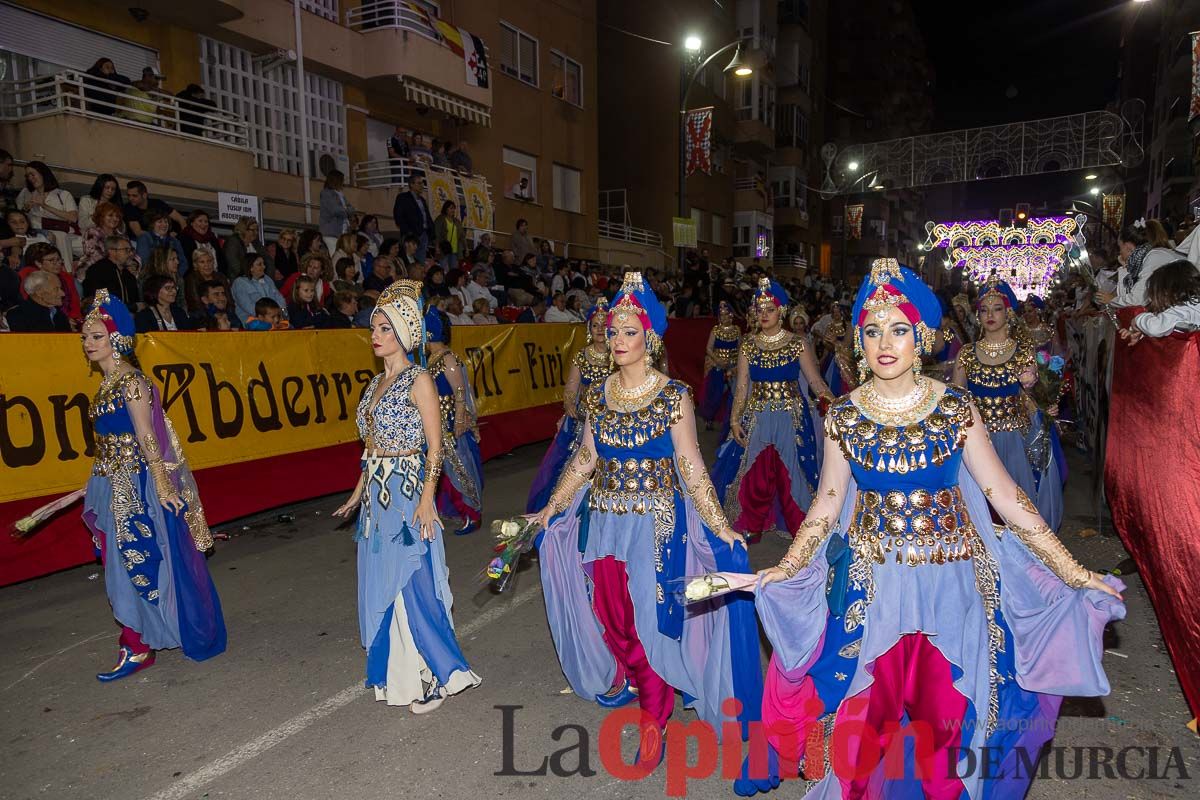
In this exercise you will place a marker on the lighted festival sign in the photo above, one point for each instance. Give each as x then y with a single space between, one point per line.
982 233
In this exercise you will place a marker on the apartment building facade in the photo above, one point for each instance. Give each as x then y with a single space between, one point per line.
366 68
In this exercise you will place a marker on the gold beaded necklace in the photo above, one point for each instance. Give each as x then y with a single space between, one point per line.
636 397
898 411
993 349
765 340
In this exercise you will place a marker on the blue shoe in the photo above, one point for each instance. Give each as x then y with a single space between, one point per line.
622 698
469 527
125 667
746 786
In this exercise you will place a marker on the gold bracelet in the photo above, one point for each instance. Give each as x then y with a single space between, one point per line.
1050 550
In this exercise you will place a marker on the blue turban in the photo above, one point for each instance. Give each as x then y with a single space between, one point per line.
1001 288
892 286
601 307
637 299
437 328
110 312
771 290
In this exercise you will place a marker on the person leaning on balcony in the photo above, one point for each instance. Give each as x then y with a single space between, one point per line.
115 272
140 103
460 159
40 312
335 211
156 232
103 84
254 286
242 246
139 203
194 107
50 208
198 236
411 215
47 258
447 228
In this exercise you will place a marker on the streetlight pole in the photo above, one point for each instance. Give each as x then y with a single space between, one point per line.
686 81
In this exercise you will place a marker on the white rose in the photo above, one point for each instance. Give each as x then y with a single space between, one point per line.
509 529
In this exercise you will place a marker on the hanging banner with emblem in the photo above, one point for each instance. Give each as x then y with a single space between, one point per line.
684 230
698 129
854 219
1114 211
478 205
441 189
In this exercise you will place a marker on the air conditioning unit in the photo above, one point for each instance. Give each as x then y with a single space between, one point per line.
321 163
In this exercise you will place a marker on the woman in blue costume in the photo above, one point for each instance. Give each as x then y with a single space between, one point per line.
143 509
633 515
720 364
766 472
996 370
591 365
460 495
404 600
839 374
898 603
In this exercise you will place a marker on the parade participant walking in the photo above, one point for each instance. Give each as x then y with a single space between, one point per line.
591 365
460 495
720 367
915 605
143 509
633 514
767 470
404 601
997 369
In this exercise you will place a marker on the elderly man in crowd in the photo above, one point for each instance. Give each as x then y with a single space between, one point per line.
41 312
478 288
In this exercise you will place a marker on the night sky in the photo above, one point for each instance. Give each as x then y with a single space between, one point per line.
1060 57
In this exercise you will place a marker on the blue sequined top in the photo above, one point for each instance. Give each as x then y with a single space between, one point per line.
997 387
394 424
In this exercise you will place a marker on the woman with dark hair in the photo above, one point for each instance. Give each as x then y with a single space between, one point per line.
319 268
199 235
161 313
447 228
50 208
1172 302
102 85
162 261
105 189
287 256
368 226
254 286
390 247
311 241
435 283
156 232
1144 247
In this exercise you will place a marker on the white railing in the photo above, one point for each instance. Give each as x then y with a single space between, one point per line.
322 8
86 95
628 233
378 14
781 261
395 172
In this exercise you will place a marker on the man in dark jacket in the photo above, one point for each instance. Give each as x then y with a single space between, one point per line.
41 312
113 273
411 215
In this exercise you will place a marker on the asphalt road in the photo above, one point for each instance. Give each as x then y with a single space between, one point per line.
282 714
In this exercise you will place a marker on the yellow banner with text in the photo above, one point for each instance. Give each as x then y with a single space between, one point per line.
237 397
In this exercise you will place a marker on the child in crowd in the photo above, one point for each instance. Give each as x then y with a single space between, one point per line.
345 308
304 311
1172 302
267 317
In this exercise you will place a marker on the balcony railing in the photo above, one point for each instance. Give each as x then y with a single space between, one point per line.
86 95
375 14
781 261
395 173
628 233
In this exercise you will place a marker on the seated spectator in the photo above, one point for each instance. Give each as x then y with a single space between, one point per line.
139 203
22 238
441 153
105 189
368 226
482 254
215 314
140 103
40 313
534 311
204 270
304 312
286 255
408 255
460 159
546 262
457 280
105 221
10 286
194 108
161 313
242 246
483 313
115 272
156 232
346 275
45 257
352 245
558 310
51 209
254 286
477 289
318 267
383 275
267 315
102 86
344 309
575 305
391 247
199 235
435 283
454 310
311 241
163 261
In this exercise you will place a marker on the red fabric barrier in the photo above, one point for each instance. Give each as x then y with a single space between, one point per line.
686 341
238 490
1151 473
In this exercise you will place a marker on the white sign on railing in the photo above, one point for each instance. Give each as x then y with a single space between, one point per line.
232 206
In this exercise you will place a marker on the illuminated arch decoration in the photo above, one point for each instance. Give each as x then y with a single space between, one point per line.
983 232
1028 268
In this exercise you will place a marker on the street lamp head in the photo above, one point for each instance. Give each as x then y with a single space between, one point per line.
852 166
692 44
1095 190
738 67
1091 176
